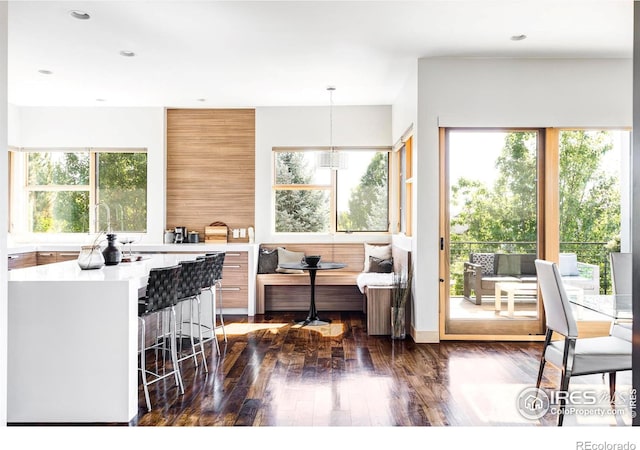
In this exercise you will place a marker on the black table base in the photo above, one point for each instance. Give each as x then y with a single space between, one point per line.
312 318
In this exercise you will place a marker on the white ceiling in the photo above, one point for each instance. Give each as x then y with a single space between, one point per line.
247 54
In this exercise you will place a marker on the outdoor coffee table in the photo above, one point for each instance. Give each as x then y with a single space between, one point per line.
531 289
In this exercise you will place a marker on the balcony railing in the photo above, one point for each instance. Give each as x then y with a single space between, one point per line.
588 252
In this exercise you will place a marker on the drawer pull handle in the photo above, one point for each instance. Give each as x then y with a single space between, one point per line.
233 254
68 254
14 256
230 288
45 254
232 266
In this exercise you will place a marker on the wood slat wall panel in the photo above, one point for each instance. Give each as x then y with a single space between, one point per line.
350 254
210 168
328 298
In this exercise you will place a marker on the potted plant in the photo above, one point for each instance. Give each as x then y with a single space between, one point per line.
401 293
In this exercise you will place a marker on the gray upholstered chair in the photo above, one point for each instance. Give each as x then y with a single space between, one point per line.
574 356
621 274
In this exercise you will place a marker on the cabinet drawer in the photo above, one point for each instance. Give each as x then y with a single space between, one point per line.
46 257
235 258
66 256
234 297
21 260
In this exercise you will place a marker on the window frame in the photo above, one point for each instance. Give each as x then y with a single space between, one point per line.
332 187
19 184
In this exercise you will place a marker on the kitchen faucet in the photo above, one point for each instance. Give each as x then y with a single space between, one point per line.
97 218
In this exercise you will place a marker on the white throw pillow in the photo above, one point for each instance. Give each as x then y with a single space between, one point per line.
287 256
568 264
377 251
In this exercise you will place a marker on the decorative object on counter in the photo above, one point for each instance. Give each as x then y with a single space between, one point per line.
216 233
90 257
194 237
252 236
401 292
236 233
180 235
169 236
112 254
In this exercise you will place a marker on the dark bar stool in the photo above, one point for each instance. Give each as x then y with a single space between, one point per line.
210 282
161 297
189 289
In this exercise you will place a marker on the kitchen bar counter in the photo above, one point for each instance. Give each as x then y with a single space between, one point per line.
73 337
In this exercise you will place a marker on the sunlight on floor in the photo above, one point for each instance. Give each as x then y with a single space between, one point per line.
244 328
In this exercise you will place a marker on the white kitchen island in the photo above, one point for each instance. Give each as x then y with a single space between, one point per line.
73 337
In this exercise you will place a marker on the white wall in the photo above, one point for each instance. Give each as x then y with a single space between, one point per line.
404 112
309 126
104 127
14 126
501 93
3 212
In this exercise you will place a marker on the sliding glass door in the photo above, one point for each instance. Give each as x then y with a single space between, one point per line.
491 232
511 196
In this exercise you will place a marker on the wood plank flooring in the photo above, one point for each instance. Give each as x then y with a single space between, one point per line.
273 373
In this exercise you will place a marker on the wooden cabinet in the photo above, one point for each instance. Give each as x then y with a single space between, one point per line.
66 256
235 280
52 257
21 260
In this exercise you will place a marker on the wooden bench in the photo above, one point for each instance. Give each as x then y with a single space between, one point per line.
336 290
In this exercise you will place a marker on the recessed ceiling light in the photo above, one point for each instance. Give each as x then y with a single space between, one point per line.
45 72
100 100
201 99
518 37
80 15
127 53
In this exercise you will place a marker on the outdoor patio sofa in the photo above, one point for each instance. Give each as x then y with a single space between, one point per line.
484 270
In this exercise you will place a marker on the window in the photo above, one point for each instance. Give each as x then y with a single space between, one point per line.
311 199
79 190
405 186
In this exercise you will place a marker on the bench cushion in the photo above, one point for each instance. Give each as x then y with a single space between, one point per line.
374 279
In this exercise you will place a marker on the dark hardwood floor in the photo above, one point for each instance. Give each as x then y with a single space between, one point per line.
274 373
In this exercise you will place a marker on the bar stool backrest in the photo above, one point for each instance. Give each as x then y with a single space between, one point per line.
190 278
217 271
208 270
162 288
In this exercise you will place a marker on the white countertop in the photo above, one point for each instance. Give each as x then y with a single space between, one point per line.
70 271
171 248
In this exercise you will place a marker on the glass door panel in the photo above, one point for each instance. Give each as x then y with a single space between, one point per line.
594 205
492 232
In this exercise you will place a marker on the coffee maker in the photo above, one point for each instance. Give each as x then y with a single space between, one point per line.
180 235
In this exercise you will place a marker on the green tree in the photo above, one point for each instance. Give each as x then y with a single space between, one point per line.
506 212
299 210
122 184
369 202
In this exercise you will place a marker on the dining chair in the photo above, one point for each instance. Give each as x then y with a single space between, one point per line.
575 356
621 277
161 297
621 272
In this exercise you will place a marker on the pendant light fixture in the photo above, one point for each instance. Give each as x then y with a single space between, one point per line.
332 159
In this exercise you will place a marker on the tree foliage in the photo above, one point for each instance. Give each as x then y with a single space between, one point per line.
299 210
368 202
506 211
121 182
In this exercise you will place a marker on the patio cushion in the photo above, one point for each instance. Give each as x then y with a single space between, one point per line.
486 261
